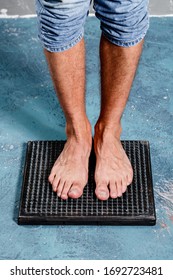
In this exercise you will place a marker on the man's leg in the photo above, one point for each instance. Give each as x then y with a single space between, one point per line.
113 170
124 24
61 25
69 174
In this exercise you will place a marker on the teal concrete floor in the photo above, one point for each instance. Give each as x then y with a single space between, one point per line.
29 110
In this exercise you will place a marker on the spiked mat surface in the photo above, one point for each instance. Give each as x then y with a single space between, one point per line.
40 205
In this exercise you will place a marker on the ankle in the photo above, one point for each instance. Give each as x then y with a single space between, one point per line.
80 130
103 128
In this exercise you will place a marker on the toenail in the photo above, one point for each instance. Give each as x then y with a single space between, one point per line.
73 191
102 193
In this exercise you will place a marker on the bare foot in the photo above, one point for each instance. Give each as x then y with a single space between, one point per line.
113 169
69 174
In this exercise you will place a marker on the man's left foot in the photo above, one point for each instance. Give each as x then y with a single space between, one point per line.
113 171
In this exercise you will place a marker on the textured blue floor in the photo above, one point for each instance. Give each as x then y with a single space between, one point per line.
29 111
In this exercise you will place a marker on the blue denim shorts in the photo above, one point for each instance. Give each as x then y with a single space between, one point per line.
61 22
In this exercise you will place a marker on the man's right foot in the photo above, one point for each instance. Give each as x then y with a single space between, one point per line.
69 174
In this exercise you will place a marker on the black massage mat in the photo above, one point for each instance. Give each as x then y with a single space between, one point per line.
40 205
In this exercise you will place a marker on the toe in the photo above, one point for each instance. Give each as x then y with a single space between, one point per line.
124 184
129 175
102 191
55 183
113 190
76 191
65 189
51 178
119 188
129 178
60 189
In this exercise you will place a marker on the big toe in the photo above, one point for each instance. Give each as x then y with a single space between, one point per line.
102 191
75 191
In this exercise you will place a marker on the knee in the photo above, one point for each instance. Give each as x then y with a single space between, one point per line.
124 22
61 22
